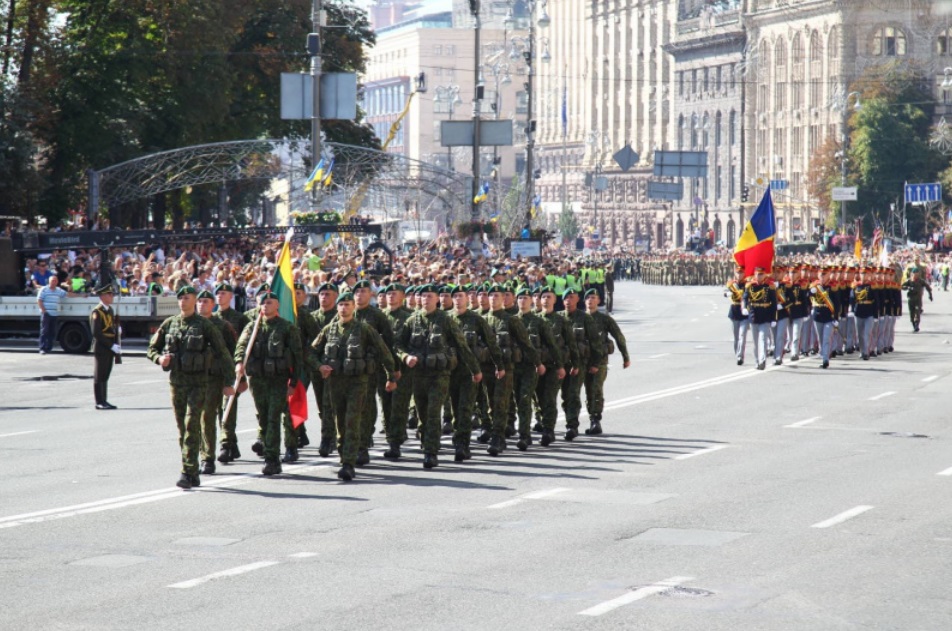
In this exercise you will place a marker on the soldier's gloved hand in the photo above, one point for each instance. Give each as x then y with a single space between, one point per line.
326 371
593 370
573 372
116 349
500 374
745 312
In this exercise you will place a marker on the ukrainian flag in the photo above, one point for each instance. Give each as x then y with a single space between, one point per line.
755 248
316 176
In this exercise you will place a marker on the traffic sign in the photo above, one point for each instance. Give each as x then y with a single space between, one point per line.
844 194
779 185
669 191
626 158
923 193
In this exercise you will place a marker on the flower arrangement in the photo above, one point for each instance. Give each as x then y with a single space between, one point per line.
313 218
469 228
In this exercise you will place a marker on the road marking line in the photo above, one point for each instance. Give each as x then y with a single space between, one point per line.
806 422
638 594
839 519
32 431
659 355
235 571
946 472
701 452
932 378
535 495
245 431
882 396
302 555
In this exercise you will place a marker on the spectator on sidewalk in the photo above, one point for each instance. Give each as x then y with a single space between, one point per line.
48 299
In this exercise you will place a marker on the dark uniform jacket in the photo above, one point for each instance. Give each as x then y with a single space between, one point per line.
104 323
606 325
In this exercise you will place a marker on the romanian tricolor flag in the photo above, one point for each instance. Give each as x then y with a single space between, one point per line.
283 285
755 248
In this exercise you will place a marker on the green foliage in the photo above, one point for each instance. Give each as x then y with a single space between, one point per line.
568 223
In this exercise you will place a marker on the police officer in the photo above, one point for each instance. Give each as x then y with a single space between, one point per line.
271 361
104 324
216 382
591 352
224 295
186 345
606 326
431 344
347 365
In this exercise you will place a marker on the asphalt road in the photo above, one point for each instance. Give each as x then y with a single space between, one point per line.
720 497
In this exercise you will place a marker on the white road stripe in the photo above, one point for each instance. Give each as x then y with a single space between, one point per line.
932 378
701 452
839 519
32 431
245 431
535 495
946 472
659 355
235 571
302 555
882 396
638 594
806 422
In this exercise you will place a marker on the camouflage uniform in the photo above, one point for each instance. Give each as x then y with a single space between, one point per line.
605 325
321 392
380 323
399 398
591 351
307 331
526 377
211 411
513 340
272 365
195 344
229 439
563 353
481 340
351 349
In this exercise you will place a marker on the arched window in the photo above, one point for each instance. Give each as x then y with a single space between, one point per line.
943 44
717 229
705 131
731 232
888 41
796 72
816 70
765 69
780 67
694 126
732 128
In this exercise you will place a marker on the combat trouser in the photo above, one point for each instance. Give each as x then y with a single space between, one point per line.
499 392
211 412
229 424
547 391
572 397
369 420
324 409
595 392
271 402
523 387
348 412
430 390
400 408
462 396
187 404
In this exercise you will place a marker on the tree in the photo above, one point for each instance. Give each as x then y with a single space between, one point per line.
568 223
824 174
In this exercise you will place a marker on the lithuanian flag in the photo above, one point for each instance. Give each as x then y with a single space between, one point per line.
755 248
283 285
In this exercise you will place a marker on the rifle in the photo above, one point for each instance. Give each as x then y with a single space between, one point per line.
251 341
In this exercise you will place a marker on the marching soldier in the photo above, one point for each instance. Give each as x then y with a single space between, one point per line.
396 429
863 301
431 344
591 352
295 438
375 318
605 325
824 314
914 287
104 324
527 373
224 294
348 367
739 320
559 360
271 362
761 300
186 345
216 382
327 311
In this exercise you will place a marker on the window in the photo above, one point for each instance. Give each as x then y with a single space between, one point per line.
438 50
705 131
888 41
717 183
681 132
816 70
681 83
943 44
717 78
763 89
449 50
732 128
717 129
780 66
731 186
694 82
796 72
706 76
694 125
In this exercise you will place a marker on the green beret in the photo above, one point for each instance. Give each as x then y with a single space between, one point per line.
447 289
591 292
396 287
185 290
509 286
300 286
483 289
468 287
206 294
383 289
497 289
328 287
155 288
262 296
524 291
362 284
429 288
347 296
568 292
458 289
537 291
411 289
545 289
264 287
223 287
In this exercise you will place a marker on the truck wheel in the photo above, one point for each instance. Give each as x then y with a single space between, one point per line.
75 338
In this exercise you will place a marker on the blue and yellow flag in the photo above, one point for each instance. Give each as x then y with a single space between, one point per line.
316 176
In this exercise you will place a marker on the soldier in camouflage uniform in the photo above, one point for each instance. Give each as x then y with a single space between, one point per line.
560 359
224 294
327 300
431 344
271 363
348 366
396 429
590 350
605 325
295 438
211 412
528 374
186 345
379 321
482 342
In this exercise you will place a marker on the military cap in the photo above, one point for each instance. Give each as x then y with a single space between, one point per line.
568 292
383 289
262 296
328 287
362 284
509 286
524 291
220 287
347 296
447 289
458 289
428 288
185 290
264 287
537 290
300 286
104 289
497 289
396 287
591 292
545 289
760 269
206 294
411 289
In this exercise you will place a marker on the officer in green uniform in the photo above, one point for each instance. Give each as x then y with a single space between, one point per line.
564 350
347 366
396 429
224 294
914 287
327 301
605 325
379 321
431 344
481 340
104 324
216 382
527 374
186 345
271 361
591 351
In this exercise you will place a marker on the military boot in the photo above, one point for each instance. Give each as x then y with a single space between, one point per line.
303 440
430 461
271 467
194 479
460 455
495 447
394 452
346 473
570 434
547 438
595 429
484 437
447 428
524 442
184 481
224 454
326 447
290 455
538 427
208 467
258 447
235 453
363 458
510 431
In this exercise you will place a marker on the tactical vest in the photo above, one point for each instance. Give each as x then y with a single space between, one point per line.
190 348
269 355
475 341
535 336
430 345
511 354
581 340
345 353
560 341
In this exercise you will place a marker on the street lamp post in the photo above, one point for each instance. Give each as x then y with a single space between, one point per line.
843 156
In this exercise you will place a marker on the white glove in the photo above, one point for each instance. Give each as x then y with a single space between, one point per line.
813 290
779 307
116 349
744 312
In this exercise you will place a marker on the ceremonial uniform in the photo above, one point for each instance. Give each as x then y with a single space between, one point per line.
863 301
740 321
104 324
761 300
824 317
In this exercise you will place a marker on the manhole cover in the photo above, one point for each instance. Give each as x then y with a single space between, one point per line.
904 435
55 378
682 592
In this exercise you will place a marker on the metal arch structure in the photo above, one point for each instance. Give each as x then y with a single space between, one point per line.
385 180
